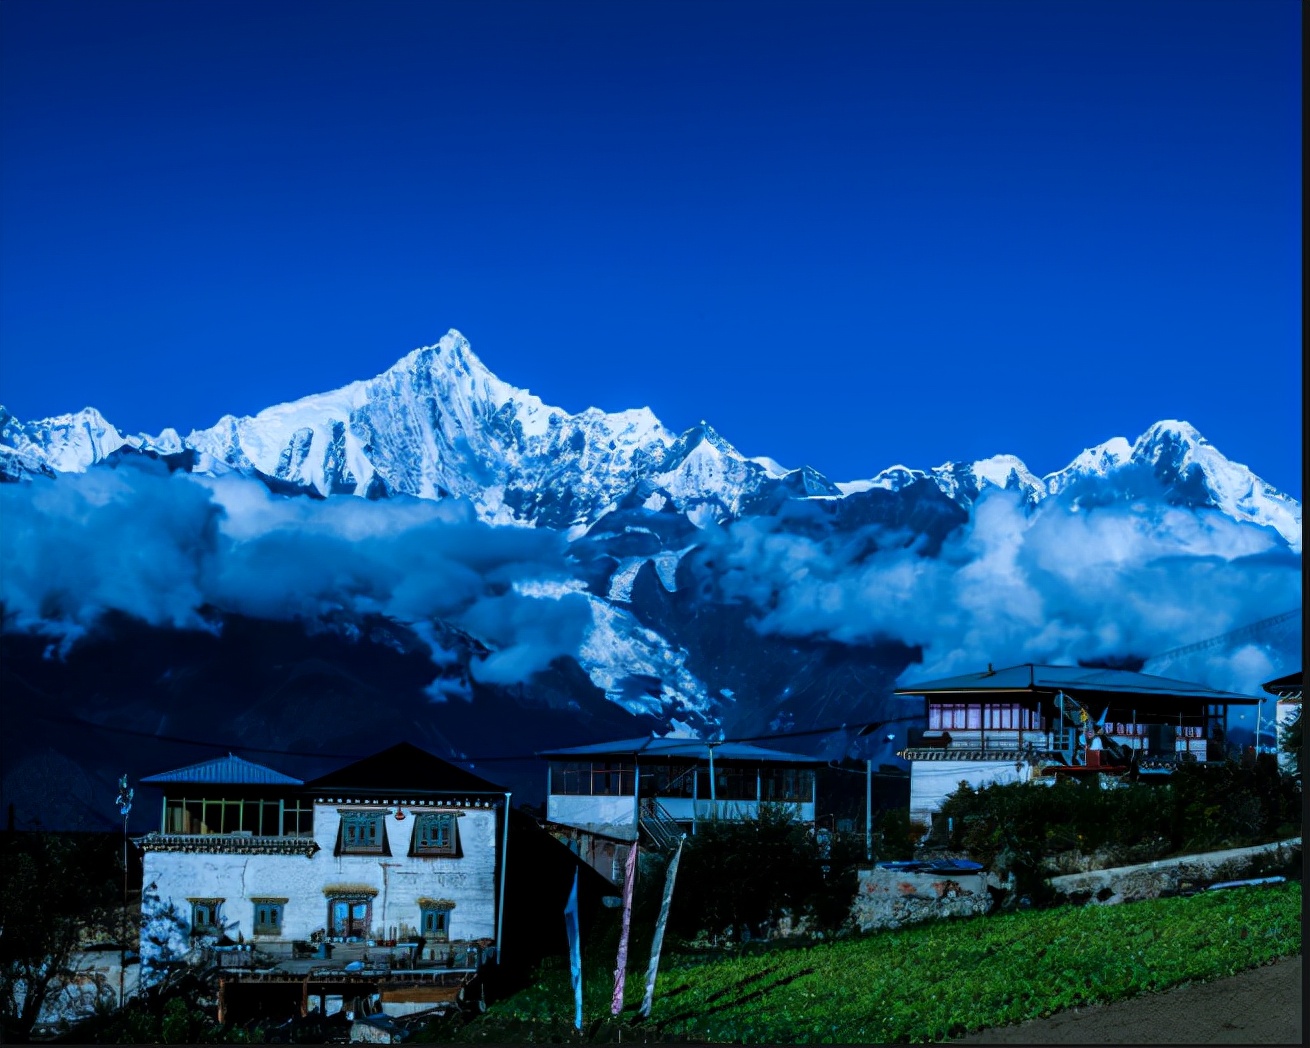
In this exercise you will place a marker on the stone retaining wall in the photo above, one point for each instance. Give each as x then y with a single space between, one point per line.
892 898
1150 880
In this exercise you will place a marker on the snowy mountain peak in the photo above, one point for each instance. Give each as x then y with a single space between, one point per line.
439 423
1098 461
61 444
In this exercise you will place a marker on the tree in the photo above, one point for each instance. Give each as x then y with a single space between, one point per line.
59 893
1290 742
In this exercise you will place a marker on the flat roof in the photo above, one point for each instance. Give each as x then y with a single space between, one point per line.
1075 679
684 749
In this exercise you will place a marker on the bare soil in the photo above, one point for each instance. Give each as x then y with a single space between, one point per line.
1258 1006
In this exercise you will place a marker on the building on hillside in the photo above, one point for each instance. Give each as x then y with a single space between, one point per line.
396 861
1289 690
1033 722
599 798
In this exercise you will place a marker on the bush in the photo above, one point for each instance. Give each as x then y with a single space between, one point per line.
737 876
1017 827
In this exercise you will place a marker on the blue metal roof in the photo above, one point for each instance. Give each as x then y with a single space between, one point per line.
228 771
1074 679
685 749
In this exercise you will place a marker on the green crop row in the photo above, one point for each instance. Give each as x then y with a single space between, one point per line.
921 984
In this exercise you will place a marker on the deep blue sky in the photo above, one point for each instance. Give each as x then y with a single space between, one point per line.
847 235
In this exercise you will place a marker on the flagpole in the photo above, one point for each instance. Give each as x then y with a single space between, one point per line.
575 949
124 802
658 941
621 964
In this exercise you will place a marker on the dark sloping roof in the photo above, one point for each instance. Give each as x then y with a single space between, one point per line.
686 749
229 770
405 767
1075 679
1292 684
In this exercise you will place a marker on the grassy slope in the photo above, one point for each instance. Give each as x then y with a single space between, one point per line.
929 982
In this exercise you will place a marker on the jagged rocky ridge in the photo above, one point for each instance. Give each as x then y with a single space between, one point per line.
439 423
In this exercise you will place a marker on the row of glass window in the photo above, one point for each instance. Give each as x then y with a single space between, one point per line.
1013 717
364 832
346 917
731 782
434 832
259 818
991 716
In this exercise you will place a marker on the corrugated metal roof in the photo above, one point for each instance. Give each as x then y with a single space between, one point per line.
686 749
229 771
1031 677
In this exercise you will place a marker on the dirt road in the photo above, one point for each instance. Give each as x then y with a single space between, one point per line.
1259 1006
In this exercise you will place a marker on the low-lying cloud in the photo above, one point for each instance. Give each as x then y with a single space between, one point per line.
168 548
1055 586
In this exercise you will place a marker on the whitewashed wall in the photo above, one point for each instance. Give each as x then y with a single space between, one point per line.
469 881
615 816
932 781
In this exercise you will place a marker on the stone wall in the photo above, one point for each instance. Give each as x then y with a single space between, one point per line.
892 898
1150 880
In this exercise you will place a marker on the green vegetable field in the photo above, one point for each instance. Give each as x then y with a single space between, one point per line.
928 983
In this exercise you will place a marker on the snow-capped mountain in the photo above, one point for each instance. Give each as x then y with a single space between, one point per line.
698 589
439 423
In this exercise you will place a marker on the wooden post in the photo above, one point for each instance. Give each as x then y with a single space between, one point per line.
658 941
868 810
695 796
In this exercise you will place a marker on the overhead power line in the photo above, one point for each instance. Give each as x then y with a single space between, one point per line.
1248 630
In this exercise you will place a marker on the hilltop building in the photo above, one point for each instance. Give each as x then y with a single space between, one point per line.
1033 722
1289 691
398 844
600 798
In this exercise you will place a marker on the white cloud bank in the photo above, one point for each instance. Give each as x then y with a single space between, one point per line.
1054 586
168 548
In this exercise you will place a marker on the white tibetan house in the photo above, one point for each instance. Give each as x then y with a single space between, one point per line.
1038 722
401 852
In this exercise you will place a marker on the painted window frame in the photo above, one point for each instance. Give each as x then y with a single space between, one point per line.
349 833
273 910
211 909
439 917
422 842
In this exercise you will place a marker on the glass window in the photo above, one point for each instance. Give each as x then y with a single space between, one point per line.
297 818
667 780
731 783
787 784
571 778
611 779
434 833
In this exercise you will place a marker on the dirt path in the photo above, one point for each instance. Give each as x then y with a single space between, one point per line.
1259 1006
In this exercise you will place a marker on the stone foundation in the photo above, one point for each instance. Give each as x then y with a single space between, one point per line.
892 898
